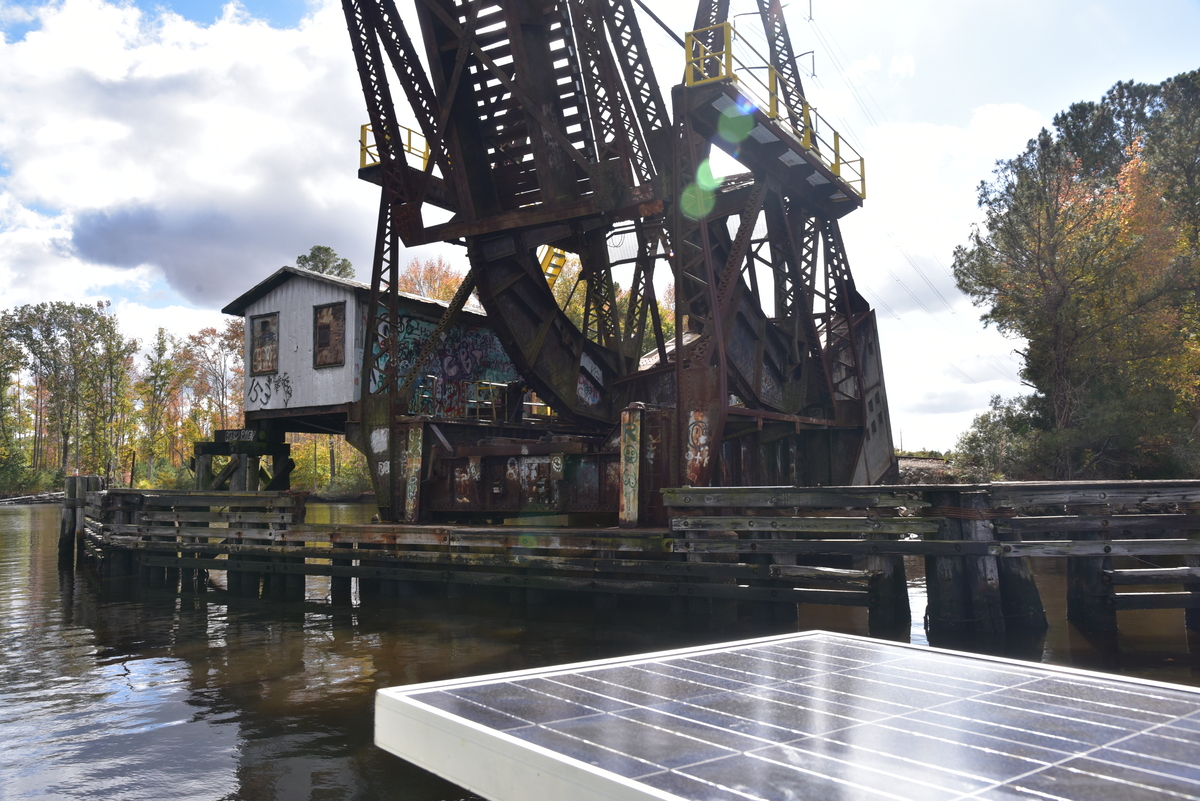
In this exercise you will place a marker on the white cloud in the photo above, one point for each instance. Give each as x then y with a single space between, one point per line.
212 154
902 66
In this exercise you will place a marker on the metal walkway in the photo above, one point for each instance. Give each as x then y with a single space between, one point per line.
812 715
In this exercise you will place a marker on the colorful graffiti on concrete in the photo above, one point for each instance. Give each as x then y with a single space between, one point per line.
467 353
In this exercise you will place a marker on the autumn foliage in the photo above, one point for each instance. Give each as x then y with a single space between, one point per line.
1087 254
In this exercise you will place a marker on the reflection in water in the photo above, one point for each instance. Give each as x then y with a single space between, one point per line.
116 690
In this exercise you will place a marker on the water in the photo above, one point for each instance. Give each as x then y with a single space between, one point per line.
125 692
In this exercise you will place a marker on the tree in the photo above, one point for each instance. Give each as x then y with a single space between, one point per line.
1085 270
108 405
57 340
156 389
324 260
998 444
12 459
1173 153
430 278
215 360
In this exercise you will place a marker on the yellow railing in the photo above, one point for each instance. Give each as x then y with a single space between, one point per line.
412 142
713 61
552 262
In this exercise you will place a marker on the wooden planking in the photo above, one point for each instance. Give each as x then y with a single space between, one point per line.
649 540
618 586
840 547
1155 600
194 498
606 565
665 570
1113 523
796 571
1155 547
193 531
819 525
217 499
1153 575
1010 494
214 517
788 497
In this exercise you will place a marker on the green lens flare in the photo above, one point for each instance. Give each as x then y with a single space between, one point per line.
733 125
705 179
696 201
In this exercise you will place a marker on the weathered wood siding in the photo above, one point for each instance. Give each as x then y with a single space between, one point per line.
297 383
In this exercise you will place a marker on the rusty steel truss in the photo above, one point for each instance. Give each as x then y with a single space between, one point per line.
545 125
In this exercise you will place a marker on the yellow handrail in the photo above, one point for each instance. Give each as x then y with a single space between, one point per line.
413 143
705 64
552 262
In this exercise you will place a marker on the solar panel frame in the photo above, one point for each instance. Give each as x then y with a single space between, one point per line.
762 711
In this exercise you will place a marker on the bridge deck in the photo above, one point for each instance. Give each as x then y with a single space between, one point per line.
812 715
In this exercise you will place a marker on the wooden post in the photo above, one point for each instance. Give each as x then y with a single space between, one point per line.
340 586
982 572
95 485
66 529
1019 595
1088 596
949 611
1191 616
202 477
891 609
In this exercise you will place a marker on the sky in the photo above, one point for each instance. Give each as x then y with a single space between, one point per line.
167 156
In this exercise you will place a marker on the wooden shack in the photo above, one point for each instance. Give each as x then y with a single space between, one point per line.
304 344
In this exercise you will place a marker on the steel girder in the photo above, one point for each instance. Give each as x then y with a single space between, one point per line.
548 126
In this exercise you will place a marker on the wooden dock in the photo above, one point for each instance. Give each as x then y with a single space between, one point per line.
773 546
811 715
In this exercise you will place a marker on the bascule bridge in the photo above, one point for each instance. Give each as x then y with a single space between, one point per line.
542 133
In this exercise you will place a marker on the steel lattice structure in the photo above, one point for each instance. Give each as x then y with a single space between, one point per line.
546 125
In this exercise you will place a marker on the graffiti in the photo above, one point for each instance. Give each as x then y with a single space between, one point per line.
631 436
283 383
698 435
465 353
586 392
412 466
261 390
264 345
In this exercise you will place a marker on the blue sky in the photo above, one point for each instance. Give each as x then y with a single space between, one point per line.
280 13
170 162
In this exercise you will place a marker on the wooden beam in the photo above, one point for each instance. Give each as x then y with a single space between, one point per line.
787 497
1153 575
1156 600
816 525
794 595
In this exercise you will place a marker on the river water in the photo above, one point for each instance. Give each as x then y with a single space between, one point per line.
131 693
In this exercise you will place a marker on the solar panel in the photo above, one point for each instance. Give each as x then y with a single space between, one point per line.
812 715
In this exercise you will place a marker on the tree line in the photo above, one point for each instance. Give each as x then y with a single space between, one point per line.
76 397
1089 253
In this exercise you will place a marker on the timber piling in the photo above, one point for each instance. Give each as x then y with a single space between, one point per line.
769 548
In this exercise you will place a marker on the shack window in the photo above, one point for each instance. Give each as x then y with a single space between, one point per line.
329 335
264 343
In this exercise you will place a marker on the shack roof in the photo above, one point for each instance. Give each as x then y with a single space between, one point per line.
431 307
